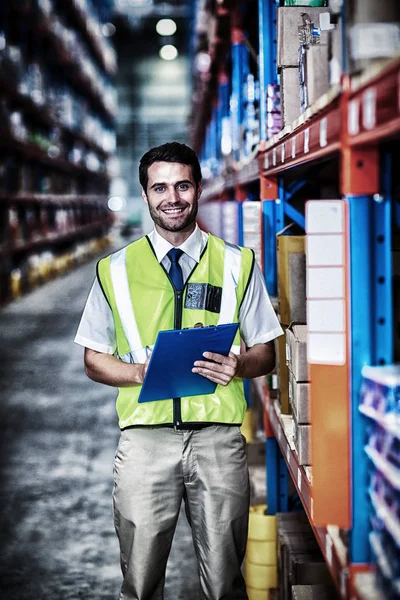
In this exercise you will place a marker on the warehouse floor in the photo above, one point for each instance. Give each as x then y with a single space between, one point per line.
58 434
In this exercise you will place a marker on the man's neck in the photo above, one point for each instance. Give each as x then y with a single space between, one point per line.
176 238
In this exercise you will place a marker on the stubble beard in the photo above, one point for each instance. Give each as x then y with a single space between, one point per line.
159 220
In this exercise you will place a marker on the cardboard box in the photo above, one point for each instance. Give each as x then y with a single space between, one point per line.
291 534
308 568
290 95
372 11
302 442
289 20
299 398
373 32
316 64
295 539
314 592
291 278
283 375
296 351
335 53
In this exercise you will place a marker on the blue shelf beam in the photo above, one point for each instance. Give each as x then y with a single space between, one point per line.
294 215
277 479
371 333
267 56
240 70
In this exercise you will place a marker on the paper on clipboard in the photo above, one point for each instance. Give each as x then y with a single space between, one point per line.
169 374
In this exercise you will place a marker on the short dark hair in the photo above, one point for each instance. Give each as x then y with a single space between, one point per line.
170 152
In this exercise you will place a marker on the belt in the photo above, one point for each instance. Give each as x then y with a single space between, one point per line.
191 426
180 427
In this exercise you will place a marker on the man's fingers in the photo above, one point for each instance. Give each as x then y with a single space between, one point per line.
214 366
218 358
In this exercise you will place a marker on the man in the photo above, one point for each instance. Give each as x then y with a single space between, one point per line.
191 448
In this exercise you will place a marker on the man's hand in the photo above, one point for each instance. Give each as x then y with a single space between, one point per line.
253 362
108 369
143 368
219 369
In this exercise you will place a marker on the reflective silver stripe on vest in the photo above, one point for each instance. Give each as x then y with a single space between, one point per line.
119 278
232 266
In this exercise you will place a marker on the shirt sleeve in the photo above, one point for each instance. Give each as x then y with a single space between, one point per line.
96 329
258 321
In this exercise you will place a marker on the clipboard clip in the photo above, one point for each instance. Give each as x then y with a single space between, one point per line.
197 326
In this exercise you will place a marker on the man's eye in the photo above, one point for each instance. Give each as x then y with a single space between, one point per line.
184 186
159 188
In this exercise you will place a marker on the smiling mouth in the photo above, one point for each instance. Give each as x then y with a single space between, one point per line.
173 211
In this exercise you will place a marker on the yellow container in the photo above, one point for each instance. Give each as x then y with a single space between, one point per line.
262 527
261 553
260 577
16 283
247 428
257 594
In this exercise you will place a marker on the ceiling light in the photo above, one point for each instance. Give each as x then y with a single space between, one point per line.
168 52
139 3
166 27
108 29
116 203
203 62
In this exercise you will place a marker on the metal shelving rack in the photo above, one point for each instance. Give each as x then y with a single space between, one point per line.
83 201
352 126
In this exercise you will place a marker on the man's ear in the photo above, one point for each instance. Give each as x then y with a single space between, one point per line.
199 190
144 196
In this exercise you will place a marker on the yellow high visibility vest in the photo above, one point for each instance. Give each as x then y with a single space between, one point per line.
143 302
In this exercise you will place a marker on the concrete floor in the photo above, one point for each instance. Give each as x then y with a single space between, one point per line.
58 434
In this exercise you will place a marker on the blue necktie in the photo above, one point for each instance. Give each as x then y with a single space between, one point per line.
175 271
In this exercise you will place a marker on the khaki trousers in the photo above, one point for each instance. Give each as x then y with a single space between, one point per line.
155 469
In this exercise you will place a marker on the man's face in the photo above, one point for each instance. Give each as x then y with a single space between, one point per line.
172 196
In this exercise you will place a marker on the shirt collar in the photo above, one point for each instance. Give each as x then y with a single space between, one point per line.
193 246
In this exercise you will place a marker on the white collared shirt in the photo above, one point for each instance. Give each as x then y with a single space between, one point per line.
258 321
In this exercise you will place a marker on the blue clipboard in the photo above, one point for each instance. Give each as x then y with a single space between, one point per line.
169 374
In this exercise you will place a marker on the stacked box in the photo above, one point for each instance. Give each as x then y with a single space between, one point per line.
291 278
283 374
290 95
303 66
292 300
374 32
302 442
274 110
316 70
289 19
300 560
296 357
335 52
314 592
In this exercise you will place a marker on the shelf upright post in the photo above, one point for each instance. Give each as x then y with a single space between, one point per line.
366 189
240 223
267 56
268 187
240 68
214 140
277 473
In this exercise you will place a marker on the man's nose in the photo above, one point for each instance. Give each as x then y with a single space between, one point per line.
173 195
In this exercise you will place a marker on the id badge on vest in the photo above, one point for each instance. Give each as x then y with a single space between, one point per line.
203 296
